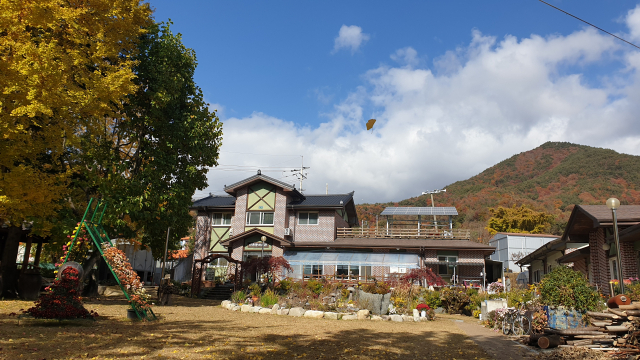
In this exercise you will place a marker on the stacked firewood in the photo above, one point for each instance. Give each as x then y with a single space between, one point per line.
617 329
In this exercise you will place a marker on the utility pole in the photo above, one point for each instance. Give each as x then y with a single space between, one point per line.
301 174
166 247
435 222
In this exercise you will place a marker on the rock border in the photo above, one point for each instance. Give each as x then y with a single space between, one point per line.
314 314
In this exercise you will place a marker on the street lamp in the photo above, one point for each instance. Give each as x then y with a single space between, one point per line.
432 204
613 204
263 239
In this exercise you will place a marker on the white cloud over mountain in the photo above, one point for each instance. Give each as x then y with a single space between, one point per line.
475 106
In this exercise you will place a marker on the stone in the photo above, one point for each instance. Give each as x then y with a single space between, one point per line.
314 314
246 308
423 319
284 311
274 309
406 318
264 311
397 318
416 313
439 310
363 314
349 317
332 315
255 309
297 311
376 318
113 291
235 308
225 304
386 317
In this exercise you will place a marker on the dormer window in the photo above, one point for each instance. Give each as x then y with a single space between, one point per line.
220 219
259 218
307 218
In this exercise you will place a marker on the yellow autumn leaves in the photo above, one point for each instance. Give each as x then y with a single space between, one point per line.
65 66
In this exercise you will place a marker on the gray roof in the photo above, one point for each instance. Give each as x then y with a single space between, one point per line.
316 201
420 211
231 188
213 201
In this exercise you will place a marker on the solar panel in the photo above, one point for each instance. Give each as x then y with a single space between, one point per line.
420 211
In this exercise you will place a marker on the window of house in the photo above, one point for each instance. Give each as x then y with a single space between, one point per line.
536 276
446 269
548 269
308 218
221 219
259 218
350 271
312 270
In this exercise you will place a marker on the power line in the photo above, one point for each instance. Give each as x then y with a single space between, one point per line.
590 24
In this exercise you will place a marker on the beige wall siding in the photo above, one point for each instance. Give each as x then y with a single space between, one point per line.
280 220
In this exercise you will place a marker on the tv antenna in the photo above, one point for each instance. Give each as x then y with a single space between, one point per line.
300 173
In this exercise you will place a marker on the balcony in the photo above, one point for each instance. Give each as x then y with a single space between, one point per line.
372 233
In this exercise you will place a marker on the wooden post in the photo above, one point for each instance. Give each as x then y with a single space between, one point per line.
27 251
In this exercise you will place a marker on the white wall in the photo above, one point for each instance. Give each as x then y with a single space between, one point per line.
510 244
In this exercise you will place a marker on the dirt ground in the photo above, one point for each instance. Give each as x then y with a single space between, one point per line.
199 329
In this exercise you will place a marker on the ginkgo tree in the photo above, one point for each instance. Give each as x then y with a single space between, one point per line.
65 67
521 219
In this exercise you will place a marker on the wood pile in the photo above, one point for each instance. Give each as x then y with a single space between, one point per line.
615 330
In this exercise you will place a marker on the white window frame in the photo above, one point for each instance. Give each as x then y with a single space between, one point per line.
222 218
262 213
307 213
447 258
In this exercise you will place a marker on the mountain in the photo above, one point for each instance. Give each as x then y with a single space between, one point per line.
553 177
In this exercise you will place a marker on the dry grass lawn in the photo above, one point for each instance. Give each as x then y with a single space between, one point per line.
198 329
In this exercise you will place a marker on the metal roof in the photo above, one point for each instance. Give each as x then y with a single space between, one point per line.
213 201
420 211
331 200
257 177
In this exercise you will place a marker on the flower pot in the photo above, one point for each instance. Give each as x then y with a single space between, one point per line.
131 314
29 283
423 313
254 299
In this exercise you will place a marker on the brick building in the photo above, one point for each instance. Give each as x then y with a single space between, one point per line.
588 245
317 234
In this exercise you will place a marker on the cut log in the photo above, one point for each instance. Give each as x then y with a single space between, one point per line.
618 312
601 323
602 315
551 341
533 339
582 331
579 342
632 312
634 306
603 336
617 328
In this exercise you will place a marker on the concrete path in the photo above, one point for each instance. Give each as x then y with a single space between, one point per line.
495 344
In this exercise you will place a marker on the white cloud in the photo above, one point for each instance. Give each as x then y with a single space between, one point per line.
349 37
483 103
406 56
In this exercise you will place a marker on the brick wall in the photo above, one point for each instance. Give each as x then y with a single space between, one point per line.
470 257
280 220
581 266
471 271
277 250
629 260
240 216
599 260
323 232
236 254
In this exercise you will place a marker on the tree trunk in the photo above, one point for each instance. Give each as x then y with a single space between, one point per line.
91 289
9 267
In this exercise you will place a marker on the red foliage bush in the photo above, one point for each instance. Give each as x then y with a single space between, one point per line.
272 266
61 300
423 273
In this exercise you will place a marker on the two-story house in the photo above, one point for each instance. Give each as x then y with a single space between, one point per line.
317 235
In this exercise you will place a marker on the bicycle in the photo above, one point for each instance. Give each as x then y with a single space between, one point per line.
516 321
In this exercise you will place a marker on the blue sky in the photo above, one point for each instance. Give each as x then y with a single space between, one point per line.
456 86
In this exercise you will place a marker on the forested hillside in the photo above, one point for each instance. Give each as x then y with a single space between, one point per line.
552 178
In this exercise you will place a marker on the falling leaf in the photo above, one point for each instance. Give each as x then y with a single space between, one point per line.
370 124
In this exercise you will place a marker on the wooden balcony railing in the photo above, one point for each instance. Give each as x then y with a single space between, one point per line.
368 233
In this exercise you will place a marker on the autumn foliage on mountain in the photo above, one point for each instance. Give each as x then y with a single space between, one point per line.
550 179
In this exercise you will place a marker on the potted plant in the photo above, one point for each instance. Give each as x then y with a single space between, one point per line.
422 308
254 291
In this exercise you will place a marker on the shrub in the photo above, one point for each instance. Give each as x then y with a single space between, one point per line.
454 300
566 287
432 298
423 274
495 287
315 286
377 287
254 289
238 296
269 298
284 286
633 290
